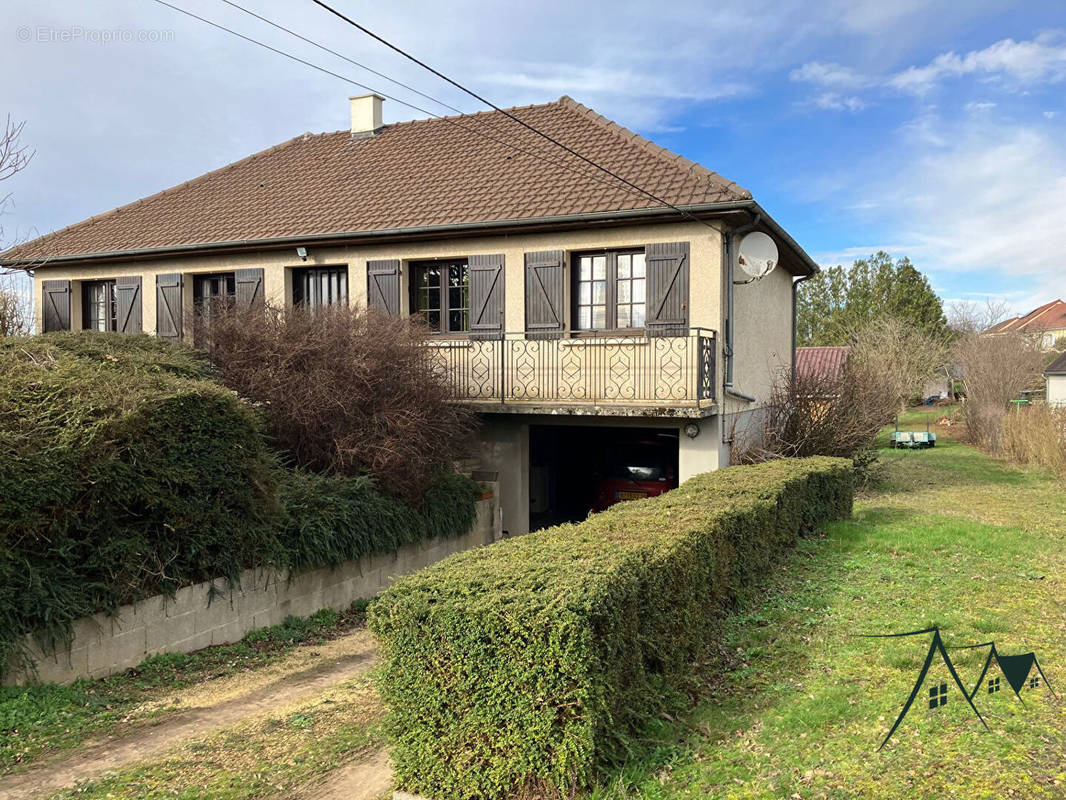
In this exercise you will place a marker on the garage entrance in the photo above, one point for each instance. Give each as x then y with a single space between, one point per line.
575 470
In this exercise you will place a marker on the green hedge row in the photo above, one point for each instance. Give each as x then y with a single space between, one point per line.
519 668
126 471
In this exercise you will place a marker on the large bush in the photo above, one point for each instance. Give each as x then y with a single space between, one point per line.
516 669
344 390
127 471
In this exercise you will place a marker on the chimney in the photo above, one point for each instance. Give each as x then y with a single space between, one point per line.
366 114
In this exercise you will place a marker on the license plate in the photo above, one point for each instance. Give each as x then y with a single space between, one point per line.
632 495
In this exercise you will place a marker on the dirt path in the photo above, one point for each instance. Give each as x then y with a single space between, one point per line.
361 780
355 656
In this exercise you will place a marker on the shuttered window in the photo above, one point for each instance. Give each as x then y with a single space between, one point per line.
318 287
440 293
212 294
610 290
99 309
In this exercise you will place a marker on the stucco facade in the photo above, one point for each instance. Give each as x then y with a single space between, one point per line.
762 329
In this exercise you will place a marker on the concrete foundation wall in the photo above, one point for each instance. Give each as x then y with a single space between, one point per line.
212 613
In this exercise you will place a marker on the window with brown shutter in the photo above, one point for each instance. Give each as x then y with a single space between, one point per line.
609 290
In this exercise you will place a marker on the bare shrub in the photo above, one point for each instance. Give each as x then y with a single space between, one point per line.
1036 435
15 314
344 391
994 369
903 357
826 414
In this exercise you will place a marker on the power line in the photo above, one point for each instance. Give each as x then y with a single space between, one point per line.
363 86
340 56
505 112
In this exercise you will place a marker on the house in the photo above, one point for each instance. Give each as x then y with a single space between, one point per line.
597 330
1048 322
1055 381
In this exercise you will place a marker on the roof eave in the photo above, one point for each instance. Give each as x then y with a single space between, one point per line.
701 210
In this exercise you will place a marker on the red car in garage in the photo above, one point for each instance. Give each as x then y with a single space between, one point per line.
636 470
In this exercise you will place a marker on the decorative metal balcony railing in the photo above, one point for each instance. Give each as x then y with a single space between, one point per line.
530 369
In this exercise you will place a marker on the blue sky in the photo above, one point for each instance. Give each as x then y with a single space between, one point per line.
935 130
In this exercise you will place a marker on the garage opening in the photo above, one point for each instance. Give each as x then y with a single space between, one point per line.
578 470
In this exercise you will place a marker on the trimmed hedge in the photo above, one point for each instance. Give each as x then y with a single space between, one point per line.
127 470
519 668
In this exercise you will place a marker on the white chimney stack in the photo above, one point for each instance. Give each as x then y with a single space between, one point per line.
366 114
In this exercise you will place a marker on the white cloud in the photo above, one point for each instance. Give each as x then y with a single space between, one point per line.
831 101
1042 59
830 75
1050 114
977 203
979 107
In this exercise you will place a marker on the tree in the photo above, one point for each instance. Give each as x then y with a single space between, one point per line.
837 302
903 355
15 308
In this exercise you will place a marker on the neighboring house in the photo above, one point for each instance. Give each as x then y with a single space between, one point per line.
578 316
821 362
1055 380
1048 322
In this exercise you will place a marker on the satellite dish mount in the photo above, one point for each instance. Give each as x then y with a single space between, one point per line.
756 256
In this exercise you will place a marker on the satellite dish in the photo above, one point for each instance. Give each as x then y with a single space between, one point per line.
757 255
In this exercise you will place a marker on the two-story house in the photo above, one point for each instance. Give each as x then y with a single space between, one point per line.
597 328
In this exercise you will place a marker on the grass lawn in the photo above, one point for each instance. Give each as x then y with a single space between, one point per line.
37 721
796 706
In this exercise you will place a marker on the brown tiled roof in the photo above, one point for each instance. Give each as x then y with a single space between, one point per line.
1048 317
410 175
821 361
1057 367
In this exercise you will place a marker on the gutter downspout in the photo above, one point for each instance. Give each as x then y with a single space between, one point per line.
795 319
727 348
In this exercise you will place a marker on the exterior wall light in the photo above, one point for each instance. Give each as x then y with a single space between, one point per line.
692 430
302 253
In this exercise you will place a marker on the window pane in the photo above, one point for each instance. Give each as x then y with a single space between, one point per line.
623 266
599 317
638 265
599 267
584 270
433 318
457 321
638 315
599 292
623 291
584 318
433 298
584 293
623 316
638 290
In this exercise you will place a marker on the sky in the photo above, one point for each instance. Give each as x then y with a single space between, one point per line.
932 130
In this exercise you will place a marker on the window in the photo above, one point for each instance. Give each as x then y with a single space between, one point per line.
99 312
317 287
993 685
938 696
1034 682
440 292
213 293
610 291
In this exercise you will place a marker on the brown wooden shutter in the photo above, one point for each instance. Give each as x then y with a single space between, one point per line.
546 293
128 304
168 306
55 316
383 285
248 286
668 268
486 296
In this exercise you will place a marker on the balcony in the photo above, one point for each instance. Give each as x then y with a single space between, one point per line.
599 374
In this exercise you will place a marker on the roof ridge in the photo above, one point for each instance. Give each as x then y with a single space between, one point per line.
669 156
90 221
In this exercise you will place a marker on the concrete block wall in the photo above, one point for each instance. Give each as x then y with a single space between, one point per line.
213 613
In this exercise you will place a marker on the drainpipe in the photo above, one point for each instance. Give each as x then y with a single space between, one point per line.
795 319
727 349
